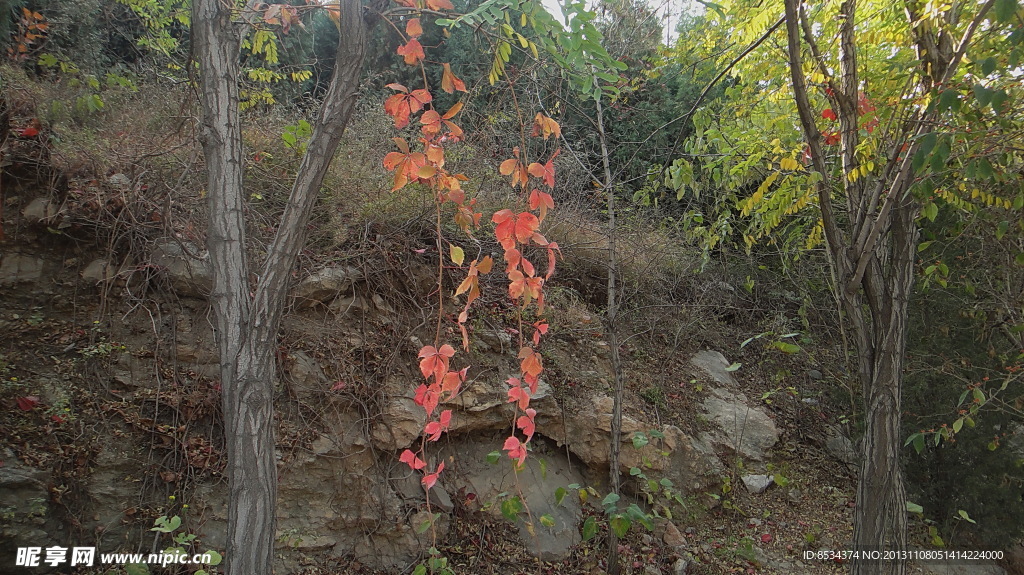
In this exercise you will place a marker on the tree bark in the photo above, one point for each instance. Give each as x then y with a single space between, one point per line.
247 318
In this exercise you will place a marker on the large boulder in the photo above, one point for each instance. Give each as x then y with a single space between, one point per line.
323 286
690 463
746 430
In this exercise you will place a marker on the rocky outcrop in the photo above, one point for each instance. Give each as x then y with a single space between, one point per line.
187 267
744 429
688 462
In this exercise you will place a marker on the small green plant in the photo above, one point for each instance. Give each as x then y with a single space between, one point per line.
295 136
181 539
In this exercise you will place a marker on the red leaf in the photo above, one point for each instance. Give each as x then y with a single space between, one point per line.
431 479
515 448
338 385
27 402
766 538
409 458
517 393
542 200
527 424
412 51
828 114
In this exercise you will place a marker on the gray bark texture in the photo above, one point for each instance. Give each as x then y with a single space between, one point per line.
247 315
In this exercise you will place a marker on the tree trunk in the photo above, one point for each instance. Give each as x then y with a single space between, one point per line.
881 515
247 320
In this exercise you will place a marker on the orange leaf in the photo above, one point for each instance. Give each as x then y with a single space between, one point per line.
412 51
531 364
546 126
542 200
440 5
413 28
450 82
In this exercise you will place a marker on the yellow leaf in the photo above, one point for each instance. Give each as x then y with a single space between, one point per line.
457 255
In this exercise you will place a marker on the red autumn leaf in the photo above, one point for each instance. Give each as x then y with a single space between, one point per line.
338 385
402 106
539 328
531 364
413 28
452 381
766 538
405 164
518 394
527 423
440 5
831 138
409 458
28 132
542 200
430 480
434 361
546 172
412 51
828 114
435 428
515 448
427 397
450 82
552 248
431 121
27 402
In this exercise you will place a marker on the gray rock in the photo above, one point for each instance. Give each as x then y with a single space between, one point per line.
690 463
187 267
41 210
324 286
99 271
18 268
814 374
714 364
650 569
840 446
304 377
746 430
680 566
757 483
119 182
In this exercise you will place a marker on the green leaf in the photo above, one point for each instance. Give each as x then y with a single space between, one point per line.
511 508
610 500
734 367
493 457
1005 9
919 443
547 520
786 347
560 495
963 514
637 514
665 482
620 525
914 507
136 569
1019 260
589 529
958 425
949 100
634 471
420 569
930 211
656 434
639 440
215 558
1001 229
983 95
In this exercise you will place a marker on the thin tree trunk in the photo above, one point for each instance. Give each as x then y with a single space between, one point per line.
611 319
247 321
